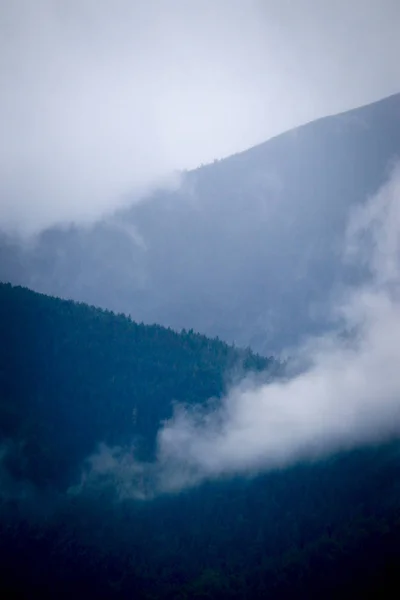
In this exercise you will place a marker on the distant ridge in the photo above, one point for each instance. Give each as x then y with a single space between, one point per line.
248 248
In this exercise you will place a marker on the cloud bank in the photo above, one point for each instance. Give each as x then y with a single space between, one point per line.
348 395
100 100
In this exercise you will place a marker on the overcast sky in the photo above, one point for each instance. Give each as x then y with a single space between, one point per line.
99 97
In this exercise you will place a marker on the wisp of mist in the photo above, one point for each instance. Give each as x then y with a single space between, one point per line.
349 395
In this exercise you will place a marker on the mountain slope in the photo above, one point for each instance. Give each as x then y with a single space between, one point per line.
248 248
70 367
72 376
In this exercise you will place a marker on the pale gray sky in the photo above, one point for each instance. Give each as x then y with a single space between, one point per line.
101 97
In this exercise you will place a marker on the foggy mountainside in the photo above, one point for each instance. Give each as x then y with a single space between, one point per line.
83 394
199 300
247 248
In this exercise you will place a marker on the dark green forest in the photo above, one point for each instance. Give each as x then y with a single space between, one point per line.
73 377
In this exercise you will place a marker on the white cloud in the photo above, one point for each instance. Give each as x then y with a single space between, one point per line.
349 395
99 99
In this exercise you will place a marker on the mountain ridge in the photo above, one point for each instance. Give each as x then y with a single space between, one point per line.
79 367
249 248
384 102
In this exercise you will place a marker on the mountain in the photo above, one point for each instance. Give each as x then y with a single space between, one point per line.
79 382
248 248
75 367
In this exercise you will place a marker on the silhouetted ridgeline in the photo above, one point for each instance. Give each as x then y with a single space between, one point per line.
72 376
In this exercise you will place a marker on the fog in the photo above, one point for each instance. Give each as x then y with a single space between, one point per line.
346 391
101 102
348 395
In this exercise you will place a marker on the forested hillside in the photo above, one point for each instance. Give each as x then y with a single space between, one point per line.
73 376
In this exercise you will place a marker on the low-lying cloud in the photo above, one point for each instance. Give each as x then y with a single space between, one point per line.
348 395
